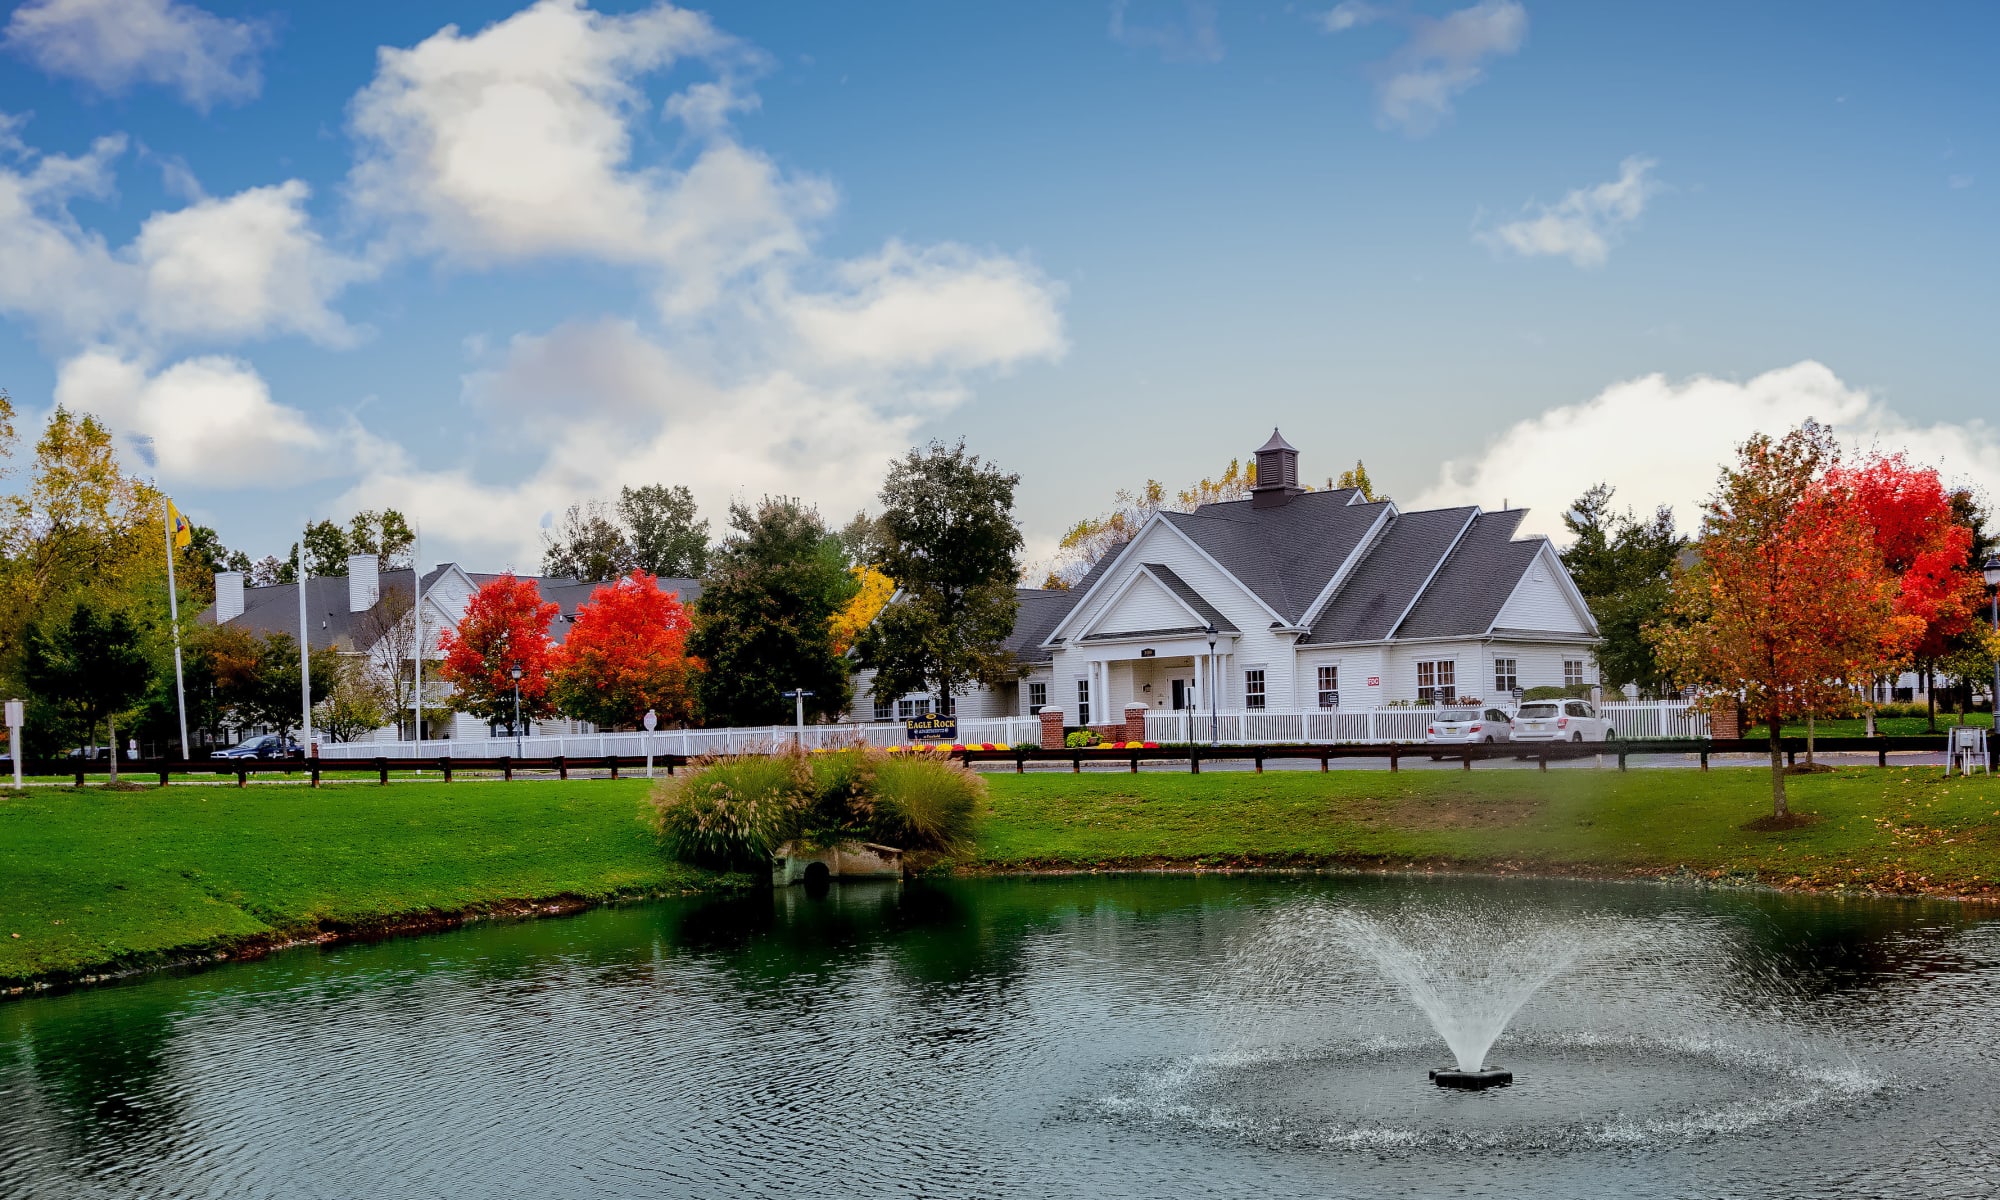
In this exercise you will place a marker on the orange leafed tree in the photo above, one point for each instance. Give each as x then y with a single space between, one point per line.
1789 597
505 624
627 654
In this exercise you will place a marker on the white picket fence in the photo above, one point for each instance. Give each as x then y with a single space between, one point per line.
1632 719
1641 719
998 730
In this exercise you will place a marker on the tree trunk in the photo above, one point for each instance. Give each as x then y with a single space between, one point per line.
1809 739
1930 697
111 733
1777 769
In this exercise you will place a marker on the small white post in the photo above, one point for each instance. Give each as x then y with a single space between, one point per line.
652 723
305 660
16 717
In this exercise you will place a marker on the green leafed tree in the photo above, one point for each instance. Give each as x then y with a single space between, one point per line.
1358 480
1624 567
947 538
587 545
763 622
666 535
91 663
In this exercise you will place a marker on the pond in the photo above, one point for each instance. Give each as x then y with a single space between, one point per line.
1059 1036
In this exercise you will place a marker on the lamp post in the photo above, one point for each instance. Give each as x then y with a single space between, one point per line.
516 673
1991 570
651 723
1213 685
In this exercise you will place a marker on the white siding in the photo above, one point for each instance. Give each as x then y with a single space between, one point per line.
1540 601
1145 605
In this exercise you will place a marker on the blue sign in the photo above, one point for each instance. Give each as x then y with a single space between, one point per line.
932 729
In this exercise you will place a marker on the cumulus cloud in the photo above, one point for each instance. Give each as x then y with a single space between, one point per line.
1659 441
1192 38
238 266
1440 60
608 404
516 142
1584 224
211 419
113 45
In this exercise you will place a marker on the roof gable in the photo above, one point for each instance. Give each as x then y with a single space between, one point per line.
1398 564
1475 582
1284 554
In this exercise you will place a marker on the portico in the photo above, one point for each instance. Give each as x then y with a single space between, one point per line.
1165 673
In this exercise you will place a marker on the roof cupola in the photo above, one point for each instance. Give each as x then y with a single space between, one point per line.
1277 473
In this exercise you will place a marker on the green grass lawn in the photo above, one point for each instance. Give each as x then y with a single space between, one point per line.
100 877
1887 726
1898 829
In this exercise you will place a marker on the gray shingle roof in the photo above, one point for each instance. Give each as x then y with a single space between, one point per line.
1476 580
1284 554
275 609
1039 612
1368 603
1189 596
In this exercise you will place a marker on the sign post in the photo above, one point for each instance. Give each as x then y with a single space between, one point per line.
798 698
17 713
652 723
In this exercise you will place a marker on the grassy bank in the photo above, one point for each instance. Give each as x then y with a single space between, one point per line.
1904 830
98 879
101 879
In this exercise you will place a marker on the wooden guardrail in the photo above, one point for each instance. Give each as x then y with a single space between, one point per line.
1542 753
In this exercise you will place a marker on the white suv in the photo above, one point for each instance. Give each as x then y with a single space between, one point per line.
1561 721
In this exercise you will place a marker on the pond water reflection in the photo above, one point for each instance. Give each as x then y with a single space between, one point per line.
1057 1036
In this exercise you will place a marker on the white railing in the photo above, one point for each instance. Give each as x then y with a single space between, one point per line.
998 730
1638 719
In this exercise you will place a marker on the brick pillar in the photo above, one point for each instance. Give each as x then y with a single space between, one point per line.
1726 724
1135 723
1052 728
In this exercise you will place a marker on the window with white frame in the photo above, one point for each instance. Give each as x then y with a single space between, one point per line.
1506 675
910 708
1572 672
1038 697
884 709
1329 687
1437 681
1253 689
1083 701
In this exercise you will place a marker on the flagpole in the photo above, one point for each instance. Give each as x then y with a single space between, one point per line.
305 659
417 617
174 619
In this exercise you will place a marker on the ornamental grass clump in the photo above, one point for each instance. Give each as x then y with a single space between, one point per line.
843 797
733 813
925 805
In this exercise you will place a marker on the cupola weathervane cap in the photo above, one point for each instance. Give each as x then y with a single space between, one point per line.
1277 473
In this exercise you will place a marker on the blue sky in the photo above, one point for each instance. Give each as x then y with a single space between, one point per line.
1498 250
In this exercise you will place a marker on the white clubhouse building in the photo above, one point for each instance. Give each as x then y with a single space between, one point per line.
1313 600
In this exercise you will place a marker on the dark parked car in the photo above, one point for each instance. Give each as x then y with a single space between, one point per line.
268 745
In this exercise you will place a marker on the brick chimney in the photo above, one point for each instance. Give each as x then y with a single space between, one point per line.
228 596
364 582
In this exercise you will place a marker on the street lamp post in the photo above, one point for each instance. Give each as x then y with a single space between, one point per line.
1213 686
651 722
516 673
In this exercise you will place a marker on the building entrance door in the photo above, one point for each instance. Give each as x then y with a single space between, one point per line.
1183 694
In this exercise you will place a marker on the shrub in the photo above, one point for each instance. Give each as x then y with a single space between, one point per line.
1082 739
733 813
925 804
1579 692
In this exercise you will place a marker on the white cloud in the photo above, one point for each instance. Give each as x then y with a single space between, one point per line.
941 307
1663 442
517 142
1584 224
239 266
211 419
1442 58
607 405
115 44
1194 38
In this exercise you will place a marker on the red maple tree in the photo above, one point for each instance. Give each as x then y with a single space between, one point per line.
627 653
1923 545
506 624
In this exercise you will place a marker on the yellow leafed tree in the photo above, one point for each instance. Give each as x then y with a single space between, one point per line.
875 590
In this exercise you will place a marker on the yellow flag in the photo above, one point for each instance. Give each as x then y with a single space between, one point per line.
183 528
